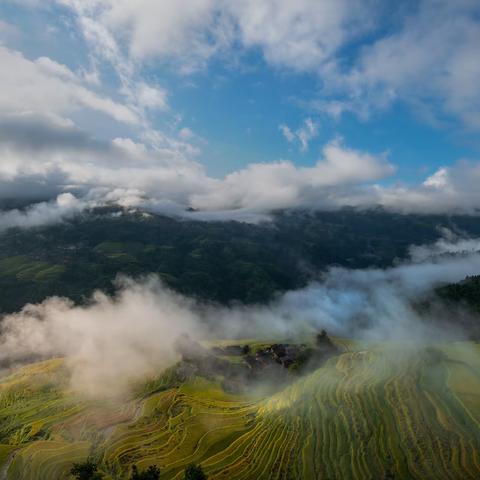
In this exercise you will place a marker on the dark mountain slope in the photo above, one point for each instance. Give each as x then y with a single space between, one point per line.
214 261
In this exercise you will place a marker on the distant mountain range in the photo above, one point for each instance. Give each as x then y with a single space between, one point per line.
214 261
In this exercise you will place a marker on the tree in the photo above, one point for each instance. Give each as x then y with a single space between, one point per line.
195 472
322 337
86 471
151 473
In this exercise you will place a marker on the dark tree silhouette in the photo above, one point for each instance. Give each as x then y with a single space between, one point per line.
322 337
151 473
86 471
195 472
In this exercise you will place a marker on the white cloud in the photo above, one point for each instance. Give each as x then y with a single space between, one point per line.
186 29
299 35
449 244
151 97
106 52
163 179
430 62
376 303
303 135
186 134
287 132
304 34
42 152
57 157
426 58
47 87
45 213
449 189
265 187
103 352
9 31
41 157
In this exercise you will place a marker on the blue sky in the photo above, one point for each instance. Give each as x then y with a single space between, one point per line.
214 89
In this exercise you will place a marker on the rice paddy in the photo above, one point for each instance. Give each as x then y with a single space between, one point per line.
382 412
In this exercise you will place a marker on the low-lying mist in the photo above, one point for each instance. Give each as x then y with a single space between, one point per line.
112 340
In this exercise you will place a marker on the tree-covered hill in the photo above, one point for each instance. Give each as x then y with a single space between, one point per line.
465 293
214 261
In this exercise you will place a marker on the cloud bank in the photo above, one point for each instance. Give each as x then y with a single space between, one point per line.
45 213
47 160
49 144
105 347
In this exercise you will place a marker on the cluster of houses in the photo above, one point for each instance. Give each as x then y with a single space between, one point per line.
275 362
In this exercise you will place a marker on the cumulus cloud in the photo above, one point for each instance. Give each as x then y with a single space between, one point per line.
56 157
433 55
345 177
267 187
139 95
426 58
300 35
43 85
450 189
304 34
193 31
43 158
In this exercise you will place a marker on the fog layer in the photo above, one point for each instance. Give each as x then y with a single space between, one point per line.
112 340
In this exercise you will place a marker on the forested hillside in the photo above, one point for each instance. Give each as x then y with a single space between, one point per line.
214 261
465 293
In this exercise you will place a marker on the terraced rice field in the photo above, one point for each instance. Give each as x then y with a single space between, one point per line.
25 269
384 412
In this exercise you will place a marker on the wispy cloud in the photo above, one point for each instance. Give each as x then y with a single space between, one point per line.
303 135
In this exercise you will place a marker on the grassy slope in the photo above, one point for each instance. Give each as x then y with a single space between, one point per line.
384 412
28 270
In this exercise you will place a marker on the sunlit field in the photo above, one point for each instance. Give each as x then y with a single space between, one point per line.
374 411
